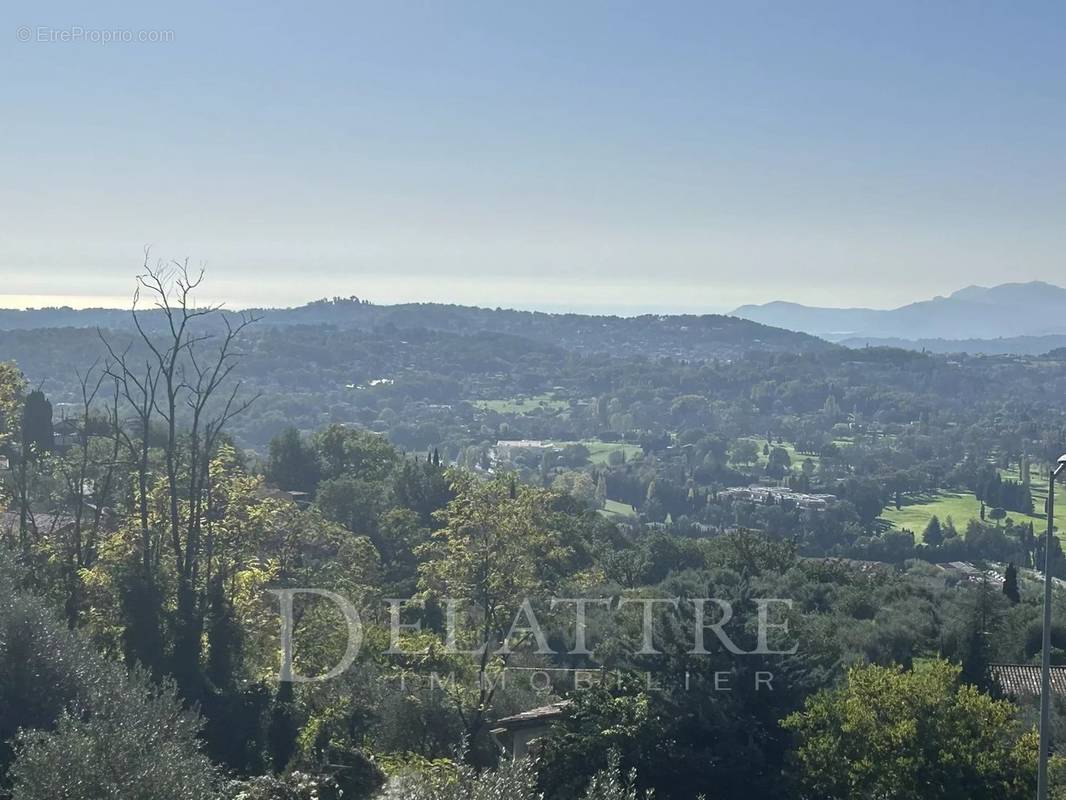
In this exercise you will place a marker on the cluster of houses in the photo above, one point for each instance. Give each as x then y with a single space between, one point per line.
965 571
777 495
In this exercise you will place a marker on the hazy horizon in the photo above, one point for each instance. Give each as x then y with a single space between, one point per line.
82 302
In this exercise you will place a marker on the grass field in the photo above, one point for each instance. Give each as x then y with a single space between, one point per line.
600 451
794 455
960 506
620 510
917 511
523 405
963 506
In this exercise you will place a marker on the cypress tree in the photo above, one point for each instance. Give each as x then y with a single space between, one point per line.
1010 584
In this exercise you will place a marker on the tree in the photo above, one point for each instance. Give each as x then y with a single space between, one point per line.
934 534
353 502
400 533
498 549
601 490
142 746
12 386
344 450
601 727
36 424
513 780
190 353
292 464
578 485
950 532
87 472
779 462
743 452
88 730
138 389
1058 559
911 735
977 636
1010 584
866 496
611 784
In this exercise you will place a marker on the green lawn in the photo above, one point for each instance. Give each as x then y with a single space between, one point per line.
621 510
523 405
963 506
917 511
794 455
599 452
960 506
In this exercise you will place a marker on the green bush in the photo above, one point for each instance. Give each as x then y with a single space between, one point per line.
83 728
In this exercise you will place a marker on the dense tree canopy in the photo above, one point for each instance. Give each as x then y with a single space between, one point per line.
912 735
445 482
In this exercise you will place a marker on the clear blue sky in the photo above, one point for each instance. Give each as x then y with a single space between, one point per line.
644 156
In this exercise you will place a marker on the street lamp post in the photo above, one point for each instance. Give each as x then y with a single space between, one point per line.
1045 669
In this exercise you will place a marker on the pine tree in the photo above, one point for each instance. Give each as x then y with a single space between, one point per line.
976 654
1010 584
949 528
37 431
934 534
282 728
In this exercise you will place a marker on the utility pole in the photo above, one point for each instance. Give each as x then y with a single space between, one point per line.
1045 668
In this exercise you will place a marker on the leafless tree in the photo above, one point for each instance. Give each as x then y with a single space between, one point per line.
186 382
138 385
205 380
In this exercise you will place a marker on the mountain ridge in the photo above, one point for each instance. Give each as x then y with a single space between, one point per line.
684 336
1004 311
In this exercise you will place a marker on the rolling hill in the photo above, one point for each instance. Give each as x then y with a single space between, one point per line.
675 336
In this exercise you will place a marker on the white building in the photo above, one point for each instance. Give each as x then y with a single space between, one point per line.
777 495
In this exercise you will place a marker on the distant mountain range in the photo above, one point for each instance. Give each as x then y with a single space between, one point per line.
977 318
1018 318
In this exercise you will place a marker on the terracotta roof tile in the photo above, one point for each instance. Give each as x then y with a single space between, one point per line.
1023 680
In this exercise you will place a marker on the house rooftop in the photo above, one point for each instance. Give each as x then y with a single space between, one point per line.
534 716
1022 681
45 523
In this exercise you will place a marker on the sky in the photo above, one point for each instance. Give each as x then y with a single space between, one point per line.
614 157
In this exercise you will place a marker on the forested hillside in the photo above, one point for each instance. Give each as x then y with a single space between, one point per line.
167 487
681 336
